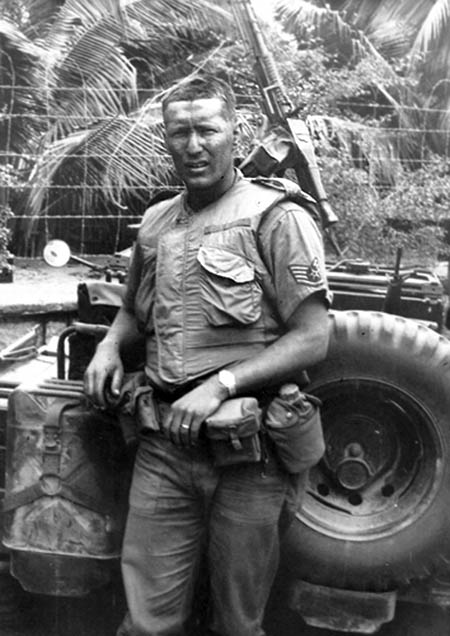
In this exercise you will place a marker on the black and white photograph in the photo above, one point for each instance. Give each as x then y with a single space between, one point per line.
224 317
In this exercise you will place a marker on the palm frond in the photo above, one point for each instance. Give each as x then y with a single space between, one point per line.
41 14
158 14
99 143
48 165
21 100
174 32
434 27
138 20
90 43
391 25
430 58
299 17
88 75
391 91
125 155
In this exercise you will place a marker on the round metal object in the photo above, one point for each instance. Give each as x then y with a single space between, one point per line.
353 474
56 253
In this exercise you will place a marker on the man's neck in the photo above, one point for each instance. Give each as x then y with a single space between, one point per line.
199 199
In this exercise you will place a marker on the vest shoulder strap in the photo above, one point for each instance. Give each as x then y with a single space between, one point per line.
292 192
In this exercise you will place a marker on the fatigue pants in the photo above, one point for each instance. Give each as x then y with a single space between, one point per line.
182 507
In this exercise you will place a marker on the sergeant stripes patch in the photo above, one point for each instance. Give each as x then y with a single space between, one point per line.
307 274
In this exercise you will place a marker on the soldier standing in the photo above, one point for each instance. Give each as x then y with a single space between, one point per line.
227 284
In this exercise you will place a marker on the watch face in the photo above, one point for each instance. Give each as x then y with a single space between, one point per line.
226 378
56 253
223 378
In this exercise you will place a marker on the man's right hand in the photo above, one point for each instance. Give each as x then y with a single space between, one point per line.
104 375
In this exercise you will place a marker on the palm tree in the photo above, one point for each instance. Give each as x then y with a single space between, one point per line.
98 73
19 96
408 45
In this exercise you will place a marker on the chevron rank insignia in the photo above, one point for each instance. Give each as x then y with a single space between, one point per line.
307 274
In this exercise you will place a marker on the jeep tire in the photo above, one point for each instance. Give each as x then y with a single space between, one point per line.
376 514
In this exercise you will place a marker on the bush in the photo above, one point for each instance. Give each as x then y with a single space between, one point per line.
374 222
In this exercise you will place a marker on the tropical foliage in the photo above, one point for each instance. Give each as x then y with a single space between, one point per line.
382 100
81 84
95 73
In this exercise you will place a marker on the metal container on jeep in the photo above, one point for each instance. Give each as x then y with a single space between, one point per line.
65 489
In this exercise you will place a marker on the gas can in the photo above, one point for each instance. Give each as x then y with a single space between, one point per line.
66 485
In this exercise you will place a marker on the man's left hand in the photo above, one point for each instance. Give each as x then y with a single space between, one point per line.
183 421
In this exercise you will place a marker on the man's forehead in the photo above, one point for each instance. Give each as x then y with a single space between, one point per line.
201 107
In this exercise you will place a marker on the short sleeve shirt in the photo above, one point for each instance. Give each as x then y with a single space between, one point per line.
292 249
200 316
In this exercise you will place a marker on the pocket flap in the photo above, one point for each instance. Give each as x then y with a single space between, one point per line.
221 262
238 417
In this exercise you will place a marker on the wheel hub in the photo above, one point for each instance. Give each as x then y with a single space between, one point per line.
380 462
353 474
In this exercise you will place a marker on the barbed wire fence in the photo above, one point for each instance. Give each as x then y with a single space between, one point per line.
90 228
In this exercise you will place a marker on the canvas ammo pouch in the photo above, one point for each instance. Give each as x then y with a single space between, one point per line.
293 423
136 407
233 432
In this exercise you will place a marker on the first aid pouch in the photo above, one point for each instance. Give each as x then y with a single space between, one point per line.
233 432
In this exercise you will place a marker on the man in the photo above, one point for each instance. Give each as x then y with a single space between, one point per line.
228 275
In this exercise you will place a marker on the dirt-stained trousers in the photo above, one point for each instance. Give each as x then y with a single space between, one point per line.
180 506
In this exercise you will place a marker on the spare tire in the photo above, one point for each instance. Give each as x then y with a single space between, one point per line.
377 510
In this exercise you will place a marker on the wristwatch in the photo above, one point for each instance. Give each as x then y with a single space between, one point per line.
227 379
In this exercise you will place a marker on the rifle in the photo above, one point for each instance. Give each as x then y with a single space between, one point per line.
288 144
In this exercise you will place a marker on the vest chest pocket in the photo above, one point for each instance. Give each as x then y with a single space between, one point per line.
229 291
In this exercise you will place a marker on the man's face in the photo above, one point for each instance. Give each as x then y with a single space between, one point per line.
199 136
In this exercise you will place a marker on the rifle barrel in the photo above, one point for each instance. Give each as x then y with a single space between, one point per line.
278 108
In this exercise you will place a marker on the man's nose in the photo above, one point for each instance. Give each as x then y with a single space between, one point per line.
193 143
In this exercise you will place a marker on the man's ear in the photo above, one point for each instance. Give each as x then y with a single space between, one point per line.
236 134
164 129
165 139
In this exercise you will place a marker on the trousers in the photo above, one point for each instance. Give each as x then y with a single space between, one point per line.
183 509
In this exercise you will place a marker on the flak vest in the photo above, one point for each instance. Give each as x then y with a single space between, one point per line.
205 298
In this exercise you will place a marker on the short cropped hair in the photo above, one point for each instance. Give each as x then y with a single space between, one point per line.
202 87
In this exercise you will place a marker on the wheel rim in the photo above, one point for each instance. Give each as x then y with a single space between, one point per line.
382 465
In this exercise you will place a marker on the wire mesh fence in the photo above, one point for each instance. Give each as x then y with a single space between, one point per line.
79 194
70 209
